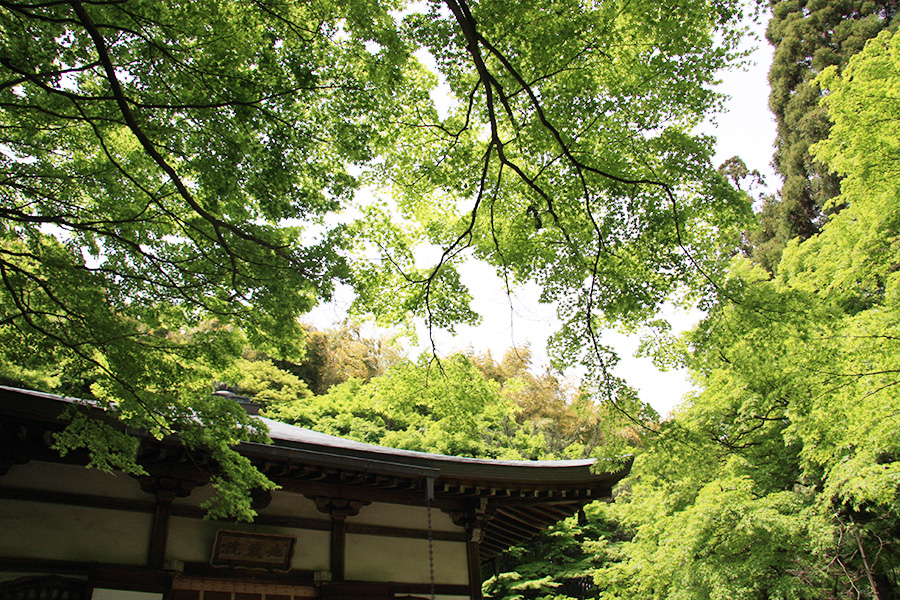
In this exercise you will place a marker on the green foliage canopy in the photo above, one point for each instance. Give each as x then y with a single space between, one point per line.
781 478
447 408
809 37
179 180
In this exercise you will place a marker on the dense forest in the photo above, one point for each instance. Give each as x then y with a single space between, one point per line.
182 181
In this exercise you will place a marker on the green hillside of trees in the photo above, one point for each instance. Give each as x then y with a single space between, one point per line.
182 181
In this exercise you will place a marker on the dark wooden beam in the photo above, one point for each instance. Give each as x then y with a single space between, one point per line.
503 522
542 514
387 590
414 497
530 500
295 577
94 501
194 512
159 534
491 548
338 547
43 565
443 589
473 556
530 522
125 577
506 539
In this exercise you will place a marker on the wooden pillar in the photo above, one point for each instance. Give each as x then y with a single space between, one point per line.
169 473
474 520
338 546
159 534
473 556
339 509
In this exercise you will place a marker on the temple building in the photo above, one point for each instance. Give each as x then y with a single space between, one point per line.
350 520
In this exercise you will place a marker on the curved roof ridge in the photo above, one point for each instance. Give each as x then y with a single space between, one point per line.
288 438
285 432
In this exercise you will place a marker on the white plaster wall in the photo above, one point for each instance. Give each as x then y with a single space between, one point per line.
56 531
410 517
193 540
73 479
372 558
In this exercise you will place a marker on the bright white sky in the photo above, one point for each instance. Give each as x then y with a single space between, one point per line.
746 129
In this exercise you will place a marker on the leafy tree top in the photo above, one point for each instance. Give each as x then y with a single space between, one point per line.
809 37
181 179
